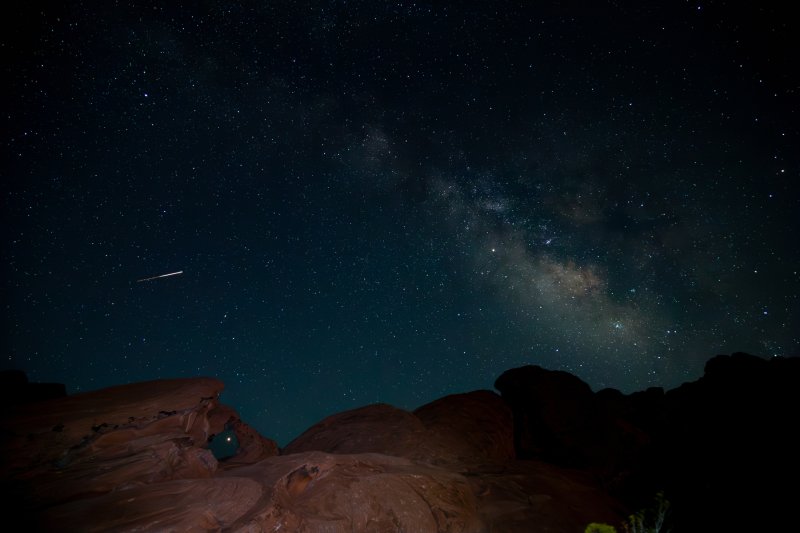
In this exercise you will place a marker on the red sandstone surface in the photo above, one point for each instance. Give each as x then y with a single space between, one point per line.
135 458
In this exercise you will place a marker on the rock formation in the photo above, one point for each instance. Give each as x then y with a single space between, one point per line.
721 447
475 427
548 454
15 389
140 446
135 457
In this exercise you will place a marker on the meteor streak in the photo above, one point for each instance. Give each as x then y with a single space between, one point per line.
161 276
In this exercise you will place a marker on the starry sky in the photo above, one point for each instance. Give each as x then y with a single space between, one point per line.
393 201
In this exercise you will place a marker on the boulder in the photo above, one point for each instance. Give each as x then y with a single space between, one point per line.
474 427
377 428
553 412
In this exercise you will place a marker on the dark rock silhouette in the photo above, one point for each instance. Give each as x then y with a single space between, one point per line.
548 454
728 450
719 447
553 412
15 389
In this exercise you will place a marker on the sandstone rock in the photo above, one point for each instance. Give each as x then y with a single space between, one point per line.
134 458
377 428
465 435
526 496
461 428
176 505
315 492
475 427
252 446
101 441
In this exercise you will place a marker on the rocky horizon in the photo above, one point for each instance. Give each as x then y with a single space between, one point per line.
545 454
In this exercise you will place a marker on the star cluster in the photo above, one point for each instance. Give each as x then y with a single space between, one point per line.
393 201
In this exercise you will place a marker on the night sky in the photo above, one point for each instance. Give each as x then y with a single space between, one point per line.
393 201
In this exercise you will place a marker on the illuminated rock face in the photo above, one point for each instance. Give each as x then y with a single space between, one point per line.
461 429
137 446
138 457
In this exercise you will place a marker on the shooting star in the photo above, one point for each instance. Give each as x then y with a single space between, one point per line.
161 276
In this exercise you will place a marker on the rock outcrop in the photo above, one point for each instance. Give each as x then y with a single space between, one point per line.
15 389
457 442
471 428
721 447
135 457
145 441
548 455
728 449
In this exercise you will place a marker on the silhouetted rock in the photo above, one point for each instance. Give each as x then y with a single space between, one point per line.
729 442
557 418
15 389
136 457
724 442
551 412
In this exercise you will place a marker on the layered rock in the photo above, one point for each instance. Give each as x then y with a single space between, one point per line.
86 446
550 455
468 440
134 458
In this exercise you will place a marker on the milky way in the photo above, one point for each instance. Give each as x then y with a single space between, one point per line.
373 201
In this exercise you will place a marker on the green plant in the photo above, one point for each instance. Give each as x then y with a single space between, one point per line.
650 520
595 527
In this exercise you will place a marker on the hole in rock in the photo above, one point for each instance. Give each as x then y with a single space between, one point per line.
223 445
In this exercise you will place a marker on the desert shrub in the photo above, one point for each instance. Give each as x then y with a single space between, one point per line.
651 520
595 527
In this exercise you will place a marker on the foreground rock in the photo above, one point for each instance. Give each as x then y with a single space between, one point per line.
469 439
146 441
549 455
475 427
135 457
